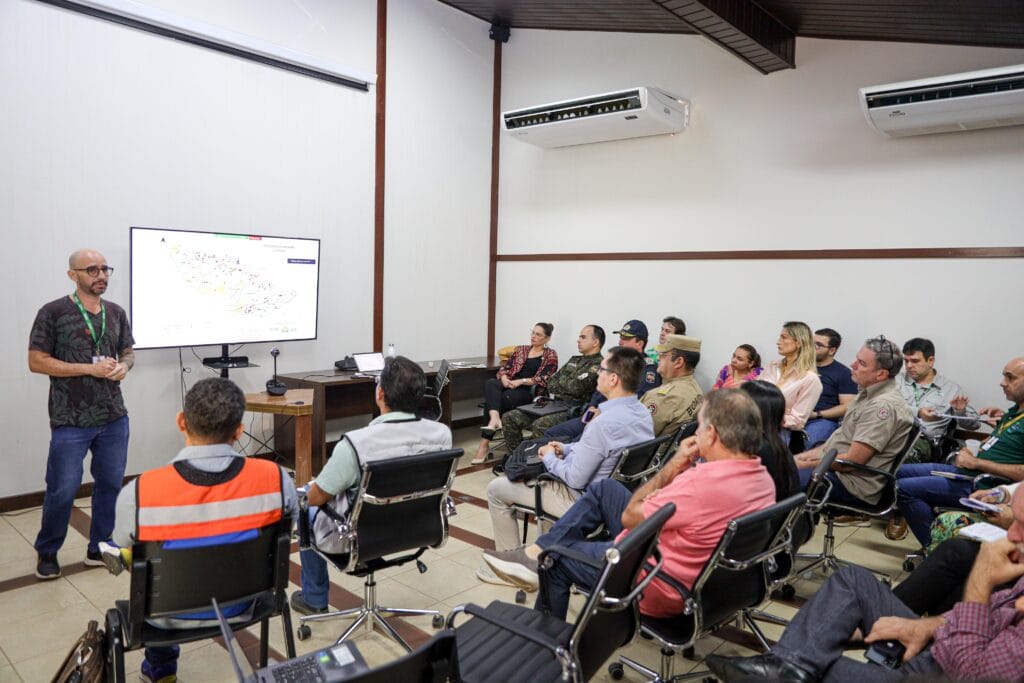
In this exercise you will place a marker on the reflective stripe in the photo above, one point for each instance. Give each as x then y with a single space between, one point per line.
207 512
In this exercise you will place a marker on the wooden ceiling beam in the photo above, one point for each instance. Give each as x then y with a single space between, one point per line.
734 24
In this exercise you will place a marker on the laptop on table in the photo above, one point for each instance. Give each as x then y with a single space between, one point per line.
371 364
330 665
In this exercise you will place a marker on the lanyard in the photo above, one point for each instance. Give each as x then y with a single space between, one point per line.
919 395
1009 424
103 322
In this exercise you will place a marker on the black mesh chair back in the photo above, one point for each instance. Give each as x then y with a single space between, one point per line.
401 504
639 461
430 407
610 615
168 582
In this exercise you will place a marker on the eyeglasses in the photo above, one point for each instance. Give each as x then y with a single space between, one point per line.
93 271
602 368
819 345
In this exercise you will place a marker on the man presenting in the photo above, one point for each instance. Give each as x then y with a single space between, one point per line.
396 432
730 483
84 344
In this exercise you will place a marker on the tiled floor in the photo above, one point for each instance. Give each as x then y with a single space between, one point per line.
40 620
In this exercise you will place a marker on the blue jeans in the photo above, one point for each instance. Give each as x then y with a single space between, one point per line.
919 491
162 661
64 467
316 584
818 431
602 504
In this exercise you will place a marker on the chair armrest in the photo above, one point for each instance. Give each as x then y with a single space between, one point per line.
542 560
988 481
302 521
865 468
538 491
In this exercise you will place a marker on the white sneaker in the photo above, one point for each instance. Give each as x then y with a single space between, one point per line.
485 574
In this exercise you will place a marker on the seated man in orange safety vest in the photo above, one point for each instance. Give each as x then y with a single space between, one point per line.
185 501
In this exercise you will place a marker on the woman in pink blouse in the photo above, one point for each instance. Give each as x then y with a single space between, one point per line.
529 366
796 374
745 366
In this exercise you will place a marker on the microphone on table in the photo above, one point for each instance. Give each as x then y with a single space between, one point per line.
276 387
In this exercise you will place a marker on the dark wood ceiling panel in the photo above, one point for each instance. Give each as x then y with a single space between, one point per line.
761 31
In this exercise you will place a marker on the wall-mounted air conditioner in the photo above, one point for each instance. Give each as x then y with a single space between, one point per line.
947 104
631 113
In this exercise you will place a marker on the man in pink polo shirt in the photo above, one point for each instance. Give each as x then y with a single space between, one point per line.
714 477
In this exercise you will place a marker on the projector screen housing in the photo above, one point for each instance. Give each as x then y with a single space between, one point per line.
193 288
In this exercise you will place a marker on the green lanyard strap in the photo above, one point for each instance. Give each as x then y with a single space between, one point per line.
103 322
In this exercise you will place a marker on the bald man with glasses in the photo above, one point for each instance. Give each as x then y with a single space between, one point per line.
84 344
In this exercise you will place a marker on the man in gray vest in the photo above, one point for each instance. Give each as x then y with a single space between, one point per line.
396 432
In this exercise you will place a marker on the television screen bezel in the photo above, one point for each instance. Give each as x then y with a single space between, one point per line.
131 285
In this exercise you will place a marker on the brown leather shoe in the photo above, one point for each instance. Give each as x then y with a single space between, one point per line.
851 519
896 529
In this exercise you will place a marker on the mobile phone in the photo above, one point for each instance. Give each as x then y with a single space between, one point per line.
979 505
587 416
887 653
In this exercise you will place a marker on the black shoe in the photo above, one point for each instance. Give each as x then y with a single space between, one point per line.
93 558
300 605
487 433
769 666
47 568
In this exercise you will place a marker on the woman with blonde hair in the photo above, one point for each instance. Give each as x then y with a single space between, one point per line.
796 373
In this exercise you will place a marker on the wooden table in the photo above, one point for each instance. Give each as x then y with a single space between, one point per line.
297 404
341 394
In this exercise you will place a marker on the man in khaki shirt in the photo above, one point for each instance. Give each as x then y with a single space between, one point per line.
874 429
678 399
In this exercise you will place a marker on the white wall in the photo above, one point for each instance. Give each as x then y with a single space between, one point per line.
103 127
438 164
769 162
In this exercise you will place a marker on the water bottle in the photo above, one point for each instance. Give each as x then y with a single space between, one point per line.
391 351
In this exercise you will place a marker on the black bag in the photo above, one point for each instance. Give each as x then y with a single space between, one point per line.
523 463
85 663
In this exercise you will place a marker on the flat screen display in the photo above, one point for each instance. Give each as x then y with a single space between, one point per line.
192 288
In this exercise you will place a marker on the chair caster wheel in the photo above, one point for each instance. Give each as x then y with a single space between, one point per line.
615 671
688 653
788 592
303 632
437 621
908 565
520 597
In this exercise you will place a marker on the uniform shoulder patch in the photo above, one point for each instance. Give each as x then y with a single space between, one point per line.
582 375
651 376
883 413
653 408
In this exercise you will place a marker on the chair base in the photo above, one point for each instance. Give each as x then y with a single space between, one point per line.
369 614
664 675
827 561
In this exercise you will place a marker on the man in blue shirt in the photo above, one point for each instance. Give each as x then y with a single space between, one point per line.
837 388
623 422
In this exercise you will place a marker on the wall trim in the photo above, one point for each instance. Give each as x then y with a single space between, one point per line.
492 253
777 254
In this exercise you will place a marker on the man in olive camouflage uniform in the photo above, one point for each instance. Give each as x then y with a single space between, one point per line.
84 344
574 381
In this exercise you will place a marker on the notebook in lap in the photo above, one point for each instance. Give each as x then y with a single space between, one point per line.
547 407
336 663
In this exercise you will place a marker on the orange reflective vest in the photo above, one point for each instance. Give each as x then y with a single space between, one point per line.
172 508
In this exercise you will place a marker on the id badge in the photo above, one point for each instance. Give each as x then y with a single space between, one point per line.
989 443
98 359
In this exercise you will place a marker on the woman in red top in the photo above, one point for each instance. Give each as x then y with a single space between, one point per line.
529 367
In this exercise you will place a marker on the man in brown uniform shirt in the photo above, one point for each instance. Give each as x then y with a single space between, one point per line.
873 431
678 399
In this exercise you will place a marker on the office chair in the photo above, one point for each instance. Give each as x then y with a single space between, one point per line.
401 509
733 582
168 582
514 644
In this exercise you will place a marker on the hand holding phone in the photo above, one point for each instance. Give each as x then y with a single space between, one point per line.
979 505
887 653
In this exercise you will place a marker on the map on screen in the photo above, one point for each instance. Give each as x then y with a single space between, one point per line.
193 288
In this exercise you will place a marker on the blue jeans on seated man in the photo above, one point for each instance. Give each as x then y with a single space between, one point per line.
819 430
920 491
64 468
839 493
602 504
